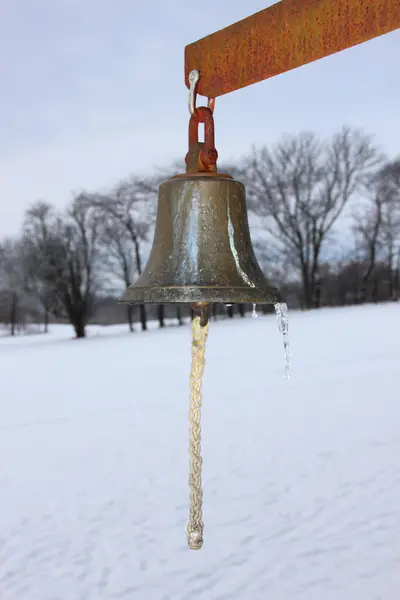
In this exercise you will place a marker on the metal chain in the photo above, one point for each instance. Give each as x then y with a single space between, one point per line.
195 525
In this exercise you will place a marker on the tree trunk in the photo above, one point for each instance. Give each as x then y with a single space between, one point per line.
375 290
143 317
396 282
317 294
341 294
364 295
230 311
315 282
79 326
137 256
242 310
161 313
179 314
391 284
396 277
215 311
13 312
46 321
129 314
307 288
367 276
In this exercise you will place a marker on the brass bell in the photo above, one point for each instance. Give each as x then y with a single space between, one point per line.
202 251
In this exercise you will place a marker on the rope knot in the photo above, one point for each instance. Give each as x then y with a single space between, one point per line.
195 538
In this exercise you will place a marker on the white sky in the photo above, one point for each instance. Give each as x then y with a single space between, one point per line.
93 90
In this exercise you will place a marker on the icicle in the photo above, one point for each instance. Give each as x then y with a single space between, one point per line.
254 313
281 310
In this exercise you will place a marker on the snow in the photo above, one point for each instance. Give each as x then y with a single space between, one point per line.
301 477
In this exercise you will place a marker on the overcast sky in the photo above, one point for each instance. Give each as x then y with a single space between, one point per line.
92 90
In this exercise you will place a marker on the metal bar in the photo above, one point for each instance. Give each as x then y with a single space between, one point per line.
284 36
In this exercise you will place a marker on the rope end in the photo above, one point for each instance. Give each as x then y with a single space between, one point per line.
194 538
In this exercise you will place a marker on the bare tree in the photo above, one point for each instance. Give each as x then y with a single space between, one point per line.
39 221
19 302
300 188
130 205
11 282
389 183
377 229
368 229
119 253
71 262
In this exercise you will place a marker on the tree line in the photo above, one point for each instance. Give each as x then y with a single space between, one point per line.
325 216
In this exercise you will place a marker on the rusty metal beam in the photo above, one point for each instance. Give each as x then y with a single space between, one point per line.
284 36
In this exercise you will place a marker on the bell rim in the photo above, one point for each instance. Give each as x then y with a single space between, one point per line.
209 294
205 174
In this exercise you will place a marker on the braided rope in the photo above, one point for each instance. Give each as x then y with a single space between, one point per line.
195 525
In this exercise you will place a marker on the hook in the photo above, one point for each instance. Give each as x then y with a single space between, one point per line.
194 77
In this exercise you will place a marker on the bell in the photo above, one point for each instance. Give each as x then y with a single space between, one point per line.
202 251
202 254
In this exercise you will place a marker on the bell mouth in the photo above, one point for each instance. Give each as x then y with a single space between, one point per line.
201 294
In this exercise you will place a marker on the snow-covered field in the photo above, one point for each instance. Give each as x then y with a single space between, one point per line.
301 477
